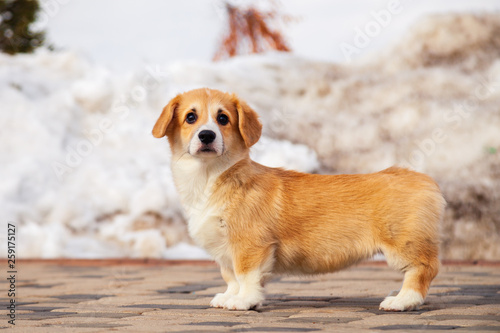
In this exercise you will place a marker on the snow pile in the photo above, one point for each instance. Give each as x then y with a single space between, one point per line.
82 176
430 102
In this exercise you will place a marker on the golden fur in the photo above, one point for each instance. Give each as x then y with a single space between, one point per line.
255 220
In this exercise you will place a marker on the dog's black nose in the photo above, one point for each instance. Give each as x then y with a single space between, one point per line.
206 136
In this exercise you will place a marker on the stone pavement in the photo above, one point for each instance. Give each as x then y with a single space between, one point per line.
162 296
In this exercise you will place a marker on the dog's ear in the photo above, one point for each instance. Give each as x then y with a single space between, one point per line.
166 117
248 122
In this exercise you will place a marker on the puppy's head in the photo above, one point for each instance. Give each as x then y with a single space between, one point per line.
207 123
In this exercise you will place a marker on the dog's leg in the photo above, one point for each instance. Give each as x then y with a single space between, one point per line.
232 288
412 246
415 286
251 293
251 276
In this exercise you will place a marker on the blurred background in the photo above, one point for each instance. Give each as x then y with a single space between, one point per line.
341 87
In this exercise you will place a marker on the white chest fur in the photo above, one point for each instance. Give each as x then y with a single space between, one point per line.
194 180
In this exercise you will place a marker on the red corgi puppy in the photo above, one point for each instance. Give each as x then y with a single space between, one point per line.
256 221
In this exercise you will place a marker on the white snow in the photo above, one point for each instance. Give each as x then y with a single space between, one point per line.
82 176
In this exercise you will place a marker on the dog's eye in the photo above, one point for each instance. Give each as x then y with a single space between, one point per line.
222 119
191 118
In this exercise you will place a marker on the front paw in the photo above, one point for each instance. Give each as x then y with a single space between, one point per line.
219 300
405 301
241 303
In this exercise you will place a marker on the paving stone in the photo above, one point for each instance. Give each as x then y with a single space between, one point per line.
464 317
278 329
91 276
481 328
320 320
167 306
181 296
416 327
34 285
39 315
187 289
217 323
97 325
130 297
77 298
